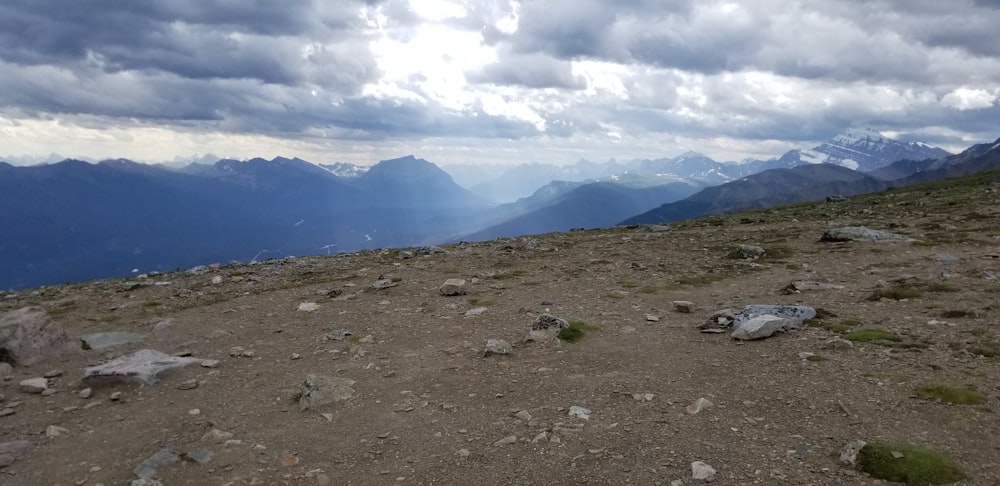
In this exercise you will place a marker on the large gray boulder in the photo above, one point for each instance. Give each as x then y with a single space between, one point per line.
143 367
105 340
28 335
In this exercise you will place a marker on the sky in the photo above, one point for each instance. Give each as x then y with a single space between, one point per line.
489 81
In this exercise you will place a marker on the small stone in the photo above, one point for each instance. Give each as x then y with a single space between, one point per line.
115 396
463 453
684 306
216 280
510 439
289 460
699 405
652 318
806 355
308 307
33 386
148 468
643 397
194 412
53 373
85 393
849 454
296 356
523 415
6 370
453 287
475 311
496 346
338 335
200 456
838 343
188 384
216 436
209 363
322 480
702 471
579 412
55 431
540 437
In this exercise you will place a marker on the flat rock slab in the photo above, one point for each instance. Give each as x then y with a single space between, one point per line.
28 335
860 233
319 390
143 367
105 340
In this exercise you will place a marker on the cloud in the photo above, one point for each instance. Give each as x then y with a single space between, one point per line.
562 78
528 70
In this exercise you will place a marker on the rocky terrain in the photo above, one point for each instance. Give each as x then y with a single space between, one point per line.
373 367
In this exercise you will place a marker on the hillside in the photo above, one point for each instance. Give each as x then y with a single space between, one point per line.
421 404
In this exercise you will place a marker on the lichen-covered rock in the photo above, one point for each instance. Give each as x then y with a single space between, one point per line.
548 322
453 287
794 314
319 390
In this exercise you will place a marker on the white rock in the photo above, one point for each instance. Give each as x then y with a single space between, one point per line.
453 287
580 412
699 405
496 346
759 327
702 471
34 386
308 307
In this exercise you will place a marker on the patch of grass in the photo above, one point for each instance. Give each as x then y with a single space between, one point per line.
869 335
614 295
151 303
986 349
573 272
941 288
777 252
907 463
576 331
628 284
950 394
794 266
896 292
822 313
816 358
703 279
482 302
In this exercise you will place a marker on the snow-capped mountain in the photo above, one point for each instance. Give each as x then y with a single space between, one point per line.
345 169
862 149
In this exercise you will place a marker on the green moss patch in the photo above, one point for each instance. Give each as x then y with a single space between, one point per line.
482 302
906 463
869 335
576 331
896 292
950 394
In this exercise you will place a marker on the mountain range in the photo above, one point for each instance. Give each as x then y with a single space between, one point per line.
76 220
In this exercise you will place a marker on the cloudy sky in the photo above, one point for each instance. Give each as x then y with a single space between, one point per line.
490 80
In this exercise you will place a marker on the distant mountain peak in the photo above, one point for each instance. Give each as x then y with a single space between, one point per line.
855 135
